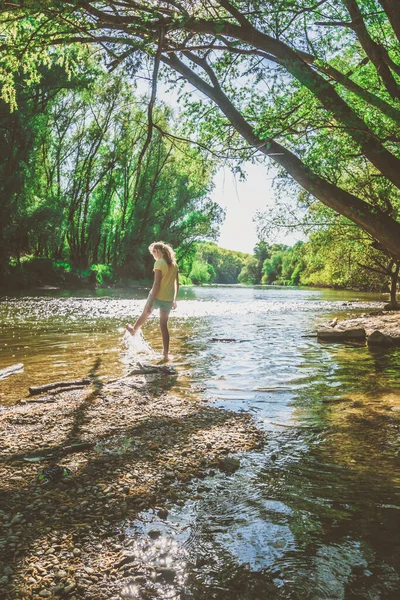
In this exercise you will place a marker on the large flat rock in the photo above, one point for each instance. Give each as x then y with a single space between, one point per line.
377 329
334 334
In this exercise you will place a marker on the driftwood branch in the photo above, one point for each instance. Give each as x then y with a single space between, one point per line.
13 370
149 369
40 389
50 452
50 396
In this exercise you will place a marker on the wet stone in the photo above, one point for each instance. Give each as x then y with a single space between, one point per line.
58 590
154 534
129 591
166 573
16 519
69 588
60 574
229 465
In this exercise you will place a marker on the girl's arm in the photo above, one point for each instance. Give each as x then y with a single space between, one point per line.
154 290
176 289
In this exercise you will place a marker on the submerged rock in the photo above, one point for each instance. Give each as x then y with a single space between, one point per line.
163 513
229 465
167 573
377 338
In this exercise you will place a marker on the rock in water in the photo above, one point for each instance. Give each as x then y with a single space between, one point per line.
229 465
377 338
356 334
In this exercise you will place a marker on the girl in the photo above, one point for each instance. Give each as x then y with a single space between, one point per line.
164 292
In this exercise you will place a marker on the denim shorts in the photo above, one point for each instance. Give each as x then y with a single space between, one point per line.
162 304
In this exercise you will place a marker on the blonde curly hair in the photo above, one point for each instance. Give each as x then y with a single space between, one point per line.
166 250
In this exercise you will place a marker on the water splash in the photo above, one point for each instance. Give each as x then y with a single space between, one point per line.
137 346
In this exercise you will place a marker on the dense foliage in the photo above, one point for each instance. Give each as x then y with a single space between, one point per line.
311 85
72 189
211 264
336 256
314 85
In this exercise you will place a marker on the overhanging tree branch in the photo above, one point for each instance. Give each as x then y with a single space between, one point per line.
391 8
150 108
376 52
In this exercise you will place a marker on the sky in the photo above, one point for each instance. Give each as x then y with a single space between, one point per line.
241 200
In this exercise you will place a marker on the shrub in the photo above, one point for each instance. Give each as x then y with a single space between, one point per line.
104 273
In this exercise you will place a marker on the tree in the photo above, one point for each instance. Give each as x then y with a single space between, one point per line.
81 196
249 272
305 70
341 255
293 263
201 272
272 266
338 253
20 135
261 253
223 266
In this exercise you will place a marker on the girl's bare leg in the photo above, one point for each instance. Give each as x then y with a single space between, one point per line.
164 314
141 321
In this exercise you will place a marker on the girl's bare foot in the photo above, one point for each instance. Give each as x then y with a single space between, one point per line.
129 328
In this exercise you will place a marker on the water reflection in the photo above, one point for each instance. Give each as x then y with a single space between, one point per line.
315 515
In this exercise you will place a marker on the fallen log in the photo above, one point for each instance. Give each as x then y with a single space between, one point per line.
12 370
78 447
50 396
40 389
39 401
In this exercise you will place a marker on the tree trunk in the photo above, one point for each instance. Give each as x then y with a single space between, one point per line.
375 52
386 162
392 10
394 277
379 225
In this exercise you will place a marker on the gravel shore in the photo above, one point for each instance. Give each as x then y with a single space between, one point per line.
130 447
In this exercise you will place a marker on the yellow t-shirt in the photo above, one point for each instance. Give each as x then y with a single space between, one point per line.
168 276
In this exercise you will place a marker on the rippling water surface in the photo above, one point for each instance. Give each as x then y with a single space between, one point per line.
315 515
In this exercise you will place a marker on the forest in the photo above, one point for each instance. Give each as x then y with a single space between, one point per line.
72 189
245 446
105 147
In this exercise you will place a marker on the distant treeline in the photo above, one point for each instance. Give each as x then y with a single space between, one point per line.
323 261
313 263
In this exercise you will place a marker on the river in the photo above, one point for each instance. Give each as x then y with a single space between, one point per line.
315 514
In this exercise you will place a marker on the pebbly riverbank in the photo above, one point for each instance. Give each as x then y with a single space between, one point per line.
131 446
